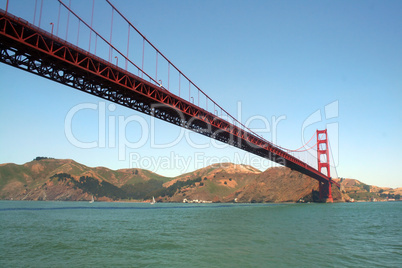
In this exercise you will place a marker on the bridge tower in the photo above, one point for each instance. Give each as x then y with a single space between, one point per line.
323 162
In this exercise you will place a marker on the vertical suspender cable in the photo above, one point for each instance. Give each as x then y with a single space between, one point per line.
143 51
40 12
92 21
168 76
68 18
111 33
78 33
156 71
96 42
36 2
128 45
58 21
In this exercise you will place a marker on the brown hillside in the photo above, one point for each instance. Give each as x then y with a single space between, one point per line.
225 182
212 171
277 184
357 190
281 184
218 181
33 180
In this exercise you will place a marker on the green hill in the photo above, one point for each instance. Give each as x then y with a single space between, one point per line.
64 179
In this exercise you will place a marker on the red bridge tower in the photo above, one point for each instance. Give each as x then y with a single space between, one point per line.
323 162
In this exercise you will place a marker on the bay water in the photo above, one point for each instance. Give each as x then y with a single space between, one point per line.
80 234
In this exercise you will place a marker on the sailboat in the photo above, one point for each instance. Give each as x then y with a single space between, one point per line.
153 201
92 200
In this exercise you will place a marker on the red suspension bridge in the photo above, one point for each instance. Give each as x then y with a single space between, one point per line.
79 56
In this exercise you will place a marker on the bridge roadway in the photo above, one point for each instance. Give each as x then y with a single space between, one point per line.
32 49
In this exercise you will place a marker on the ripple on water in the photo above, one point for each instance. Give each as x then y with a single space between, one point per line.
57 234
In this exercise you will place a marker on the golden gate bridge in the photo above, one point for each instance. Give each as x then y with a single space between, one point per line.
91 65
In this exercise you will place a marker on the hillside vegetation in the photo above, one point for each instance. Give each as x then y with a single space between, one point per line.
359 191
55 179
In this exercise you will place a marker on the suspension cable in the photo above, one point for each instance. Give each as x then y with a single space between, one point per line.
297 150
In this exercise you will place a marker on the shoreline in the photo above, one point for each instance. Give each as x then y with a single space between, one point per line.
149 202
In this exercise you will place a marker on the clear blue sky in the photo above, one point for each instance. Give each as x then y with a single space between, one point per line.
279 60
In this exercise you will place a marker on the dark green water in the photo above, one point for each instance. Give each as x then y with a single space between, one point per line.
79 234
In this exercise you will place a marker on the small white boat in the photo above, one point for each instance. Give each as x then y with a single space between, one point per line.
153 201
92 200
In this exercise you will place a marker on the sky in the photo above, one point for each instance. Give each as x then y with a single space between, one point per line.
283 68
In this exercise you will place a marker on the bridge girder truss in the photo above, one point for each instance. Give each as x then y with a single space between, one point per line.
32 49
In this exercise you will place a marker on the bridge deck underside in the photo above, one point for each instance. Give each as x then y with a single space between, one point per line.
31 49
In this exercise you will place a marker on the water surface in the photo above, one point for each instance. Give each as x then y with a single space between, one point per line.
79 234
